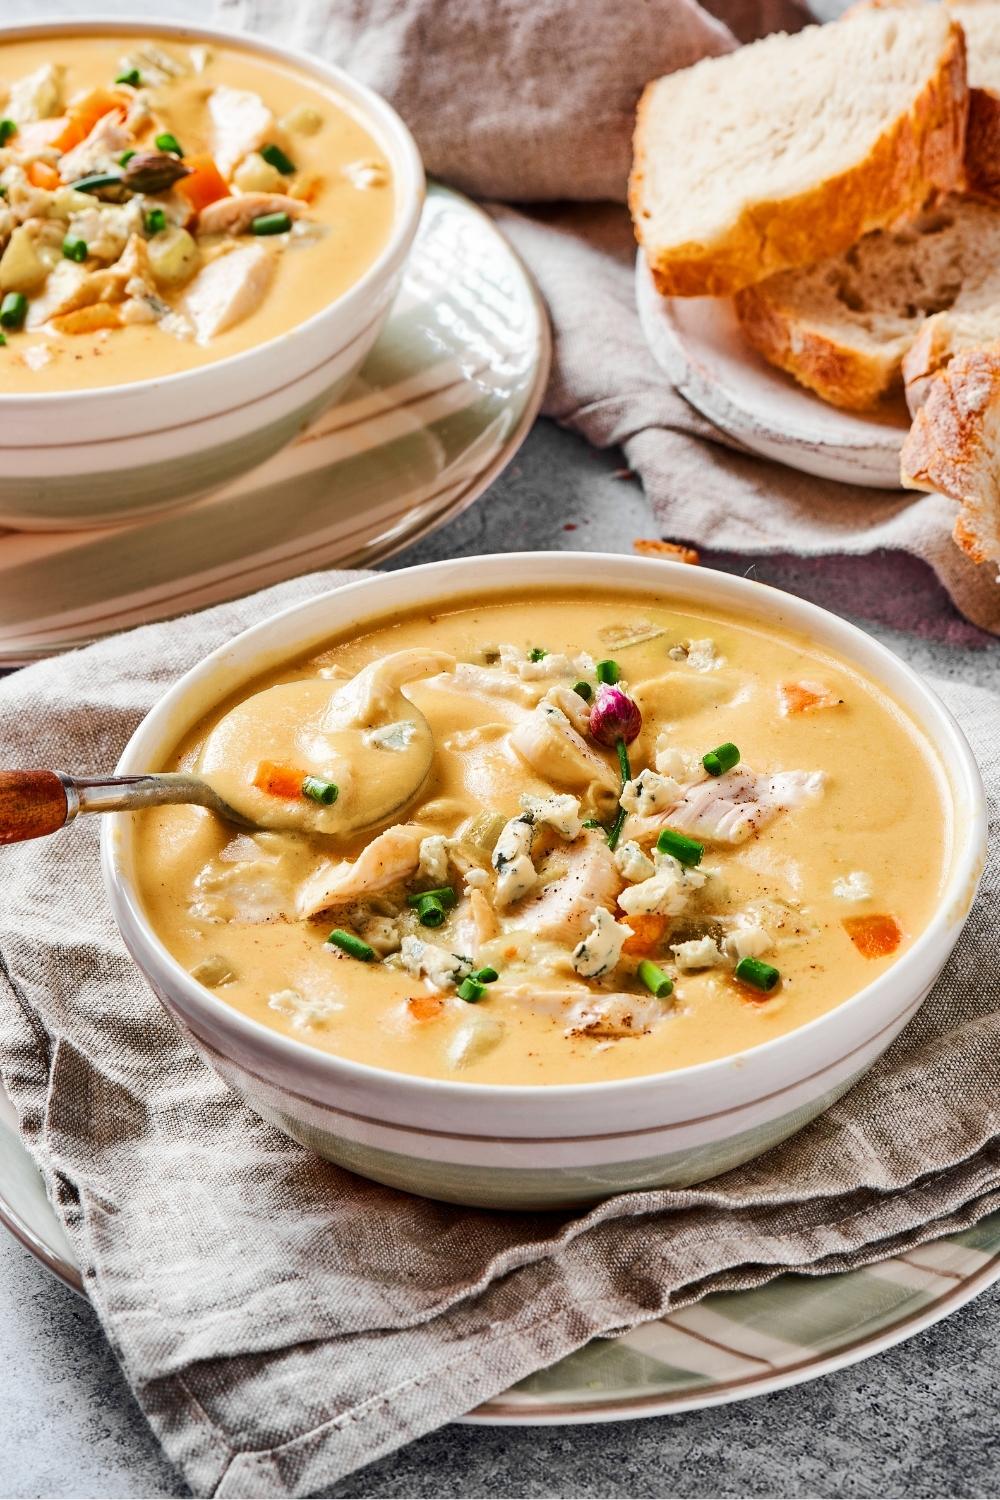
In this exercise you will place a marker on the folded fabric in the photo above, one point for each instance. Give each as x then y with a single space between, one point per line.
534 100
282 1321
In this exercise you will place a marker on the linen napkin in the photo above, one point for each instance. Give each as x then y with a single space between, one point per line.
533 101
282 1321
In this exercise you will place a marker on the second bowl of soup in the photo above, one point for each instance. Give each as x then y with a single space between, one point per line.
560 889
200 237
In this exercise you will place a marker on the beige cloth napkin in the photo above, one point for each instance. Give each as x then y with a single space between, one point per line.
283 1322
533 100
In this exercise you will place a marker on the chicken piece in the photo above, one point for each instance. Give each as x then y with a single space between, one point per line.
255 878
241 123
388 860
484 919
89 319
562 910
508 697
475 923
228 290
36 97
63 291
100 150
729 809
235 215
547 742
71 288
585 1013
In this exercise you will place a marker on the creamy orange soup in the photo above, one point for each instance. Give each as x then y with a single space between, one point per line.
166 204
576 928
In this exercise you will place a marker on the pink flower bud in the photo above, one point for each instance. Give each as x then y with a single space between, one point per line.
615 716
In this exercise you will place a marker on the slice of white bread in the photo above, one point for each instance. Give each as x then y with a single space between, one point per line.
980 20
954 447
796 146
895 306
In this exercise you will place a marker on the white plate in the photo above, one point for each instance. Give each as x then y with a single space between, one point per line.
441 405
729 1346
697 342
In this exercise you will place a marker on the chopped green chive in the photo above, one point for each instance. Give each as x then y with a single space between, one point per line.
13 310
723 758
270 224
131 76
167 142
608 671
430 911
626 775
94 181
752 971
318 790
486 976
584 689
3 190
275 157
653 977
594 823
3 340
7 129
74 248
351 945
156 220
126 157
686 851
443 893
470 989
537 653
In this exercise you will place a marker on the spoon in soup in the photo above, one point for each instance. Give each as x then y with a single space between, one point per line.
305 756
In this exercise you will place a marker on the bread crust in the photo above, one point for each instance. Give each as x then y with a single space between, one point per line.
842 375
948 448
921 152
982 144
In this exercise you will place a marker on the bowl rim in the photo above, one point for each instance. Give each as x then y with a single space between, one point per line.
938 727
391 131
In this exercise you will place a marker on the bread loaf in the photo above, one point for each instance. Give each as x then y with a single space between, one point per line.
895 306
795 146
954 447
980 21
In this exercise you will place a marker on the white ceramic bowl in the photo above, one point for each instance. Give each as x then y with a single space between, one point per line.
528 1147
93 457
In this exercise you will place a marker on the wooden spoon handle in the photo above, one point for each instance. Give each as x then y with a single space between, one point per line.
32 804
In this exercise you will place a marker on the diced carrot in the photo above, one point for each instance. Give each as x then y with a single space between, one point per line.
874 936
41 175
647 932
806 697
278 781
83 115
425 1007
205 183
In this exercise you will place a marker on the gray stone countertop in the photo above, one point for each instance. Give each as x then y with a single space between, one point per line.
918 1420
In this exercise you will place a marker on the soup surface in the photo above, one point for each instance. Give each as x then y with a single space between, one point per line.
166 204
577 930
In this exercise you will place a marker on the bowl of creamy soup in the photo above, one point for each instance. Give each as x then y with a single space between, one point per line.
200 238
572 874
